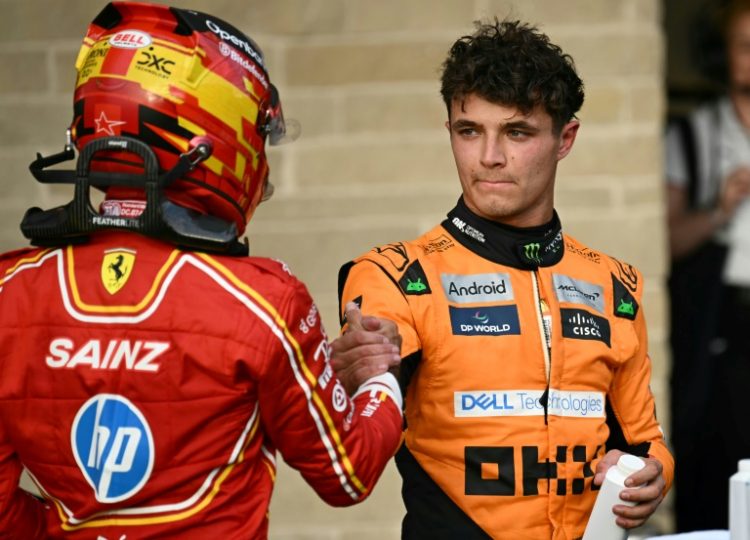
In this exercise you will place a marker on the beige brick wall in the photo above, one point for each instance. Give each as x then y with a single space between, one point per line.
373 162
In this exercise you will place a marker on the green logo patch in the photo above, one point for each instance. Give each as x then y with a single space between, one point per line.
625 305
414 281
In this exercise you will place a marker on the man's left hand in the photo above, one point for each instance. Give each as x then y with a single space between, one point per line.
647 497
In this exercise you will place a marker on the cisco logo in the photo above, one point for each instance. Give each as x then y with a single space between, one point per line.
113 447
580 324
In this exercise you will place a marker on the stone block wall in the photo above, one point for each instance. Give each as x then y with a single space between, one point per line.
373 163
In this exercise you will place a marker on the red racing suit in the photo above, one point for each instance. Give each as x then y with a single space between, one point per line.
147 389
525 359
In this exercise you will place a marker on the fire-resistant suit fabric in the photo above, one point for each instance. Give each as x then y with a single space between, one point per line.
525 359
147 389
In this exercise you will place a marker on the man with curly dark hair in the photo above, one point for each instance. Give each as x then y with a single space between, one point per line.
510 63
524 354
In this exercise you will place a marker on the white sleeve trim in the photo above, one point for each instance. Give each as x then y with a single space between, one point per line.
385 382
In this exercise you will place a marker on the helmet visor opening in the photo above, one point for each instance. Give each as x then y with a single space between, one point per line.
278 130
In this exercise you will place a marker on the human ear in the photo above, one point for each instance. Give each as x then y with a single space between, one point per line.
567 138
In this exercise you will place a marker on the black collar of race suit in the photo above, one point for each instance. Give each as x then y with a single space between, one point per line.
526 248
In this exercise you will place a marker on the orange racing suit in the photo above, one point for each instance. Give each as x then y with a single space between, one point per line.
525 359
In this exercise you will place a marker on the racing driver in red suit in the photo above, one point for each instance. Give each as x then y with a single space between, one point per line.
151 369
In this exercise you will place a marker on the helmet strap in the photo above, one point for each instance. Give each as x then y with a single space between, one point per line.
161 218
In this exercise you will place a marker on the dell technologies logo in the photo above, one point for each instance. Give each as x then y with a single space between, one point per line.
489 403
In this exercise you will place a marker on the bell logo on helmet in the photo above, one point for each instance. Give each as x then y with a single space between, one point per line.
130 39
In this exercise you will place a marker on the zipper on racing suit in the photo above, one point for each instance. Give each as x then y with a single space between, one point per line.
544 318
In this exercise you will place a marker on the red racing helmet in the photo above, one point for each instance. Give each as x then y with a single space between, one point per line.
172 78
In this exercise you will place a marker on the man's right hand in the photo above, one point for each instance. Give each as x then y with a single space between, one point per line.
736 189
368 347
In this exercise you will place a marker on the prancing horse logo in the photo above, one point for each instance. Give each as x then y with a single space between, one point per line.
117 265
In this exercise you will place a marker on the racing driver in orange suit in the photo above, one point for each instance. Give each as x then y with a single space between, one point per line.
151 370
524 352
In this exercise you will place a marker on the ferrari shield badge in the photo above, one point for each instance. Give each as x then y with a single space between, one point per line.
117 265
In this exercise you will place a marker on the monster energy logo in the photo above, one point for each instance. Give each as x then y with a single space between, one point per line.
531 252
626 308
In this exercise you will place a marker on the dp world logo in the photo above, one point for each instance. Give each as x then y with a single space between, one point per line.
481 318
113 446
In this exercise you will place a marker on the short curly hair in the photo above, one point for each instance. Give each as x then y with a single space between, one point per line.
512 63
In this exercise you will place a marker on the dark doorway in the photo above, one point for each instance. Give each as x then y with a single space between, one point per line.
695 65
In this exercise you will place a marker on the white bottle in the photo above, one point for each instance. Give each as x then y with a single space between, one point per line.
602 525
739 502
